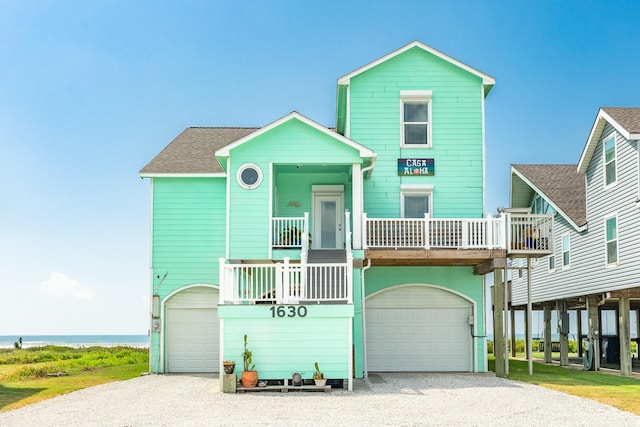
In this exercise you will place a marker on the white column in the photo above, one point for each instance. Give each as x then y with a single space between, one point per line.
357 197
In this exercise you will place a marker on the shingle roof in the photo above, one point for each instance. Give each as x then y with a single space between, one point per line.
193 151
561 185
627 117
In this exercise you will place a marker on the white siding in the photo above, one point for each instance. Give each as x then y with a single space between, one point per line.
589 273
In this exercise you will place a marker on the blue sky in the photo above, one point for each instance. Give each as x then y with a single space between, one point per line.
91 91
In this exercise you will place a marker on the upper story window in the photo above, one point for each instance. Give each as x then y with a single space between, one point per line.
610 175
415 116
552 263
566 250
249 176
415 201
611 238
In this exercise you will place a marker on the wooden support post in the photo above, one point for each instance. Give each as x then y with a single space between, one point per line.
564 333
498 322
547 333
624 316
513 332
594 330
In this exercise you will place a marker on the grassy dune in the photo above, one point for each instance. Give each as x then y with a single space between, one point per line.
34 374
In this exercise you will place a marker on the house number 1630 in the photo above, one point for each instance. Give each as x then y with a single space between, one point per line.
288 311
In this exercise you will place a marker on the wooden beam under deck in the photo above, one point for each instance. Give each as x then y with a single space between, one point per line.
433 257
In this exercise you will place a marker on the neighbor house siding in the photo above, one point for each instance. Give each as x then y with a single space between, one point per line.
589 273
456 133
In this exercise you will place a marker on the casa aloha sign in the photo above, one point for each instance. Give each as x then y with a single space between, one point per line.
416 167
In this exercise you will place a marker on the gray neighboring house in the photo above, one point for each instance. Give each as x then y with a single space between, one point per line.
595 267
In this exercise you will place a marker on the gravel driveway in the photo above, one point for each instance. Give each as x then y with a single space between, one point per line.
403 399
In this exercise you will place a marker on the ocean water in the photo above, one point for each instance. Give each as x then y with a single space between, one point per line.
77 341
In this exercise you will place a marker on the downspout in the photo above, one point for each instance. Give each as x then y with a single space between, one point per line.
364 319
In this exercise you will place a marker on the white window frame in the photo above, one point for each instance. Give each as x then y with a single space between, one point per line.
416 190
242 169
612 135
416 96
568 251
606 242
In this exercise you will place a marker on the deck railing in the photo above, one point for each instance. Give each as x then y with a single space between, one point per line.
406 233
292 232
530 233
286 283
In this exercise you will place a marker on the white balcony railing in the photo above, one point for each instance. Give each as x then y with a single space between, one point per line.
406 233
530 232
290 232
286 283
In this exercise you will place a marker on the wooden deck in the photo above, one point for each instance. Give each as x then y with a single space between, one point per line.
283 388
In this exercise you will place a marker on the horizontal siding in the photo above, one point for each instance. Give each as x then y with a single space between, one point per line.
456 132
282 346
588 273
188 233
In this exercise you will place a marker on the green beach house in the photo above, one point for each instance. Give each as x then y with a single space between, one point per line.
360 247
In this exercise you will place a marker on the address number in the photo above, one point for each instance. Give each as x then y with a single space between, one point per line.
288 311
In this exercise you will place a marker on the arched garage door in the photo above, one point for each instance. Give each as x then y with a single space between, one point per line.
418 328
193 331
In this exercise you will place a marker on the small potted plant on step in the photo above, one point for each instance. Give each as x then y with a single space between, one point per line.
318 377
229 366
249 376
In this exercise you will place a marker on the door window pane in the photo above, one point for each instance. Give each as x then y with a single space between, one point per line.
328 224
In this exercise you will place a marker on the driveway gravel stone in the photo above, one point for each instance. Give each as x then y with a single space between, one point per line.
395 399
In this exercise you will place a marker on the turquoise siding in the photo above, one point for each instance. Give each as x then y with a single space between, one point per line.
456 133
288 144
282 346
188 231
459 279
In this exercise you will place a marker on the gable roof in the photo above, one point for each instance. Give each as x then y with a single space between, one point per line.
625 120
294 115
487 80
192 152
561 185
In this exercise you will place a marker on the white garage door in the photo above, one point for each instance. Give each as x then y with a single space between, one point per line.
418 328
193 331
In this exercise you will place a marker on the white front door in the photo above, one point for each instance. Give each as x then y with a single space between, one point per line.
328 219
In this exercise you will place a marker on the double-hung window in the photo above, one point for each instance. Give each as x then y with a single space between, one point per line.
415 116
610 176
566 251
611 239
415 201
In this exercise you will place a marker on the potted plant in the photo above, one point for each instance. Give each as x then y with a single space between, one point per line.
318 377
249 376
229 366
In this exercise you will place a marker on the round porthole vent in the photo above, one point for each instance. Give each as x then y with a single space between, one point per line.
249 176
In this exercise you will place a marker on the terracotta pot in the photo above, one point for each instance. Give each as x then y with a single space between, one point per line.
249 379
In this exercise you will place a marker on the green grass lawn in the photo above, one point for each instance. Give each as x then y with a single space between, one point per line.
24 373
611 389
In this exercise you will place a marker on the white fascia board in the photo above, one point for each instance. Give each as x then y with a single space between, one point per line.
514 171
487 80
183 175
596 133
364 151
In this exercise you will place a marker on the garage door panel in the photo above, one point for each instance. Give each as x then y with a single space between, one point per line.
418 338
192 331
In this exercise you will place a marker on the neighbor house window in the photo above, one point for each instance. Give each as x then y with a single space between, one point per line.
611 237
610 160
566 250
552 263
415 113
